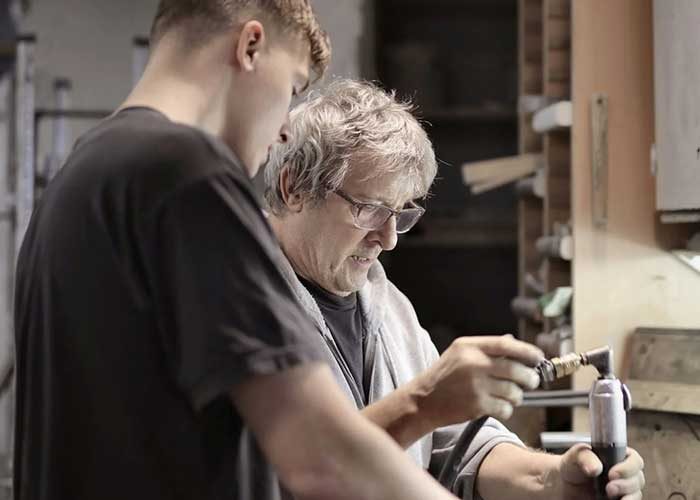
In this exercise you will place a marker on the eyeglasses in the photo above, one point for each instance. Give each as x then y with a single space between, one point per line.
372 216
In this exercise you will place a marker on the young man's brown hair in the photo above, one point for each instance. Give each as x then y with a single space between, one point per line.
199 20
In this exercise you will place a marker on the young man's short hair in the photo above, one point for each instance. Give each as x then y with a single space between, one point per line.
199 20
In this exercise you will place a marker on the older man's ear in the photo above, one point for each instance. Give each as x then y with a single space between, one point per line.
294 202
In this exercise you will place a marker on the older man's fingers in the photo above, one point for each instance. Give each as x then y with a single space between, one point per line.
634 496
628 486
514 371
506 346
496 407
503 389
629 467
579 464
588 462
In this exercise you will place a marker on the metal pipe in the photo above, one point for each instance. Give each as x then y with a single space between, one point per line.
59 129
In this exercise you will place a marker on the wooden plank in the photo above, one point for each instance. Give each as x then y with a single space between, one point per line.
665 396
530 11
556 215
557 178
557 65
482 187
558 154
558 273
557 90
670 446
533 28
510 167
557 9
533 48
529 28
528 139
677 116
665 355
559 192
529 229
623 277
531 79
556 56
558 35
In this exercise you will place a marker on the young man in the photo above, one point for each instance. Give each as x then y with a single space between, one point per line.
152 320
339 192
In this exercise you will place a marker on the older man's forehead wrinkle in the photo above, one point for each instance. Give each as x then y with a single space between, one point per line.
377 186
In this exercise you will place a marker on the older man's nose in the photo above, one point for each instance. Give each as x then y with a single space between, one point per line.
386 235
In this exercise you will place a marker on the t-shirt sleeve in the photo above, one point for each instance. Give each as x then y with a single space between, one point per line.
489 436
226 312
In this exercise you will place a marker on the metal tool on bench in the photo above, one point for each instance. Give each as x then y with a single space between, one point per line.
608 401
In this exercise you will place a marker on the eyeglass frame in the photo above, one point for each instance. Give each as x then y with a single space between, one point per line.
357 205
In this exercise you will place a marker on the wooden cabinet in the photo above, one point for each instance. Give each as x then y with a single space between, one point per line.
622 273
677 104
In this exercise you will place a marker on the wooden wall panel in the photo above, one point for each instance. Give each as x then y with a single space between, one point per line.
623 277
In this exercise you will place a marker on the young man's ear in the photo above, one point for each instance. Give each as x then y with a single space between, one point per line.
249 43
294 202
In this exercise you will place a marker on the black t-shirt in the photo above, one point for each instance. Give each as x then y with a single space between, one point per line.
344 319
147 287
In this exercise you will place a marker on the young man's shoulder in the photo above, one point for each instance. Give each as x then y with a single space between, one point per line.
141 154
143 141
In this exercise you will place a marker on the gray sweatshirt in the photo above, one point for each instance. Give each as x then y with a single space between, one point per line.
397 349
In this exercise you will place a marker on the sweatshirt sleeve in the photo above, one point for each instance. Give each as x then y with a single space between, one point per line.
444 439
491 434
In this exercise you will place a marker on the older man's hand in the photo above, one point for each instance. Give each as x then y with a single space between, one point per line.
579 466
477 376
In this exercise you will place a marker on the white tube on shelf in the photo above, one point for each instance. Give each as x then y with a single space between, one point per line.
556 116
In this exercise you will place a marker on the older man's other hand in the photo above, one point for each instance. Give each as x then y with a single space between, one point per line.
579 466
477 376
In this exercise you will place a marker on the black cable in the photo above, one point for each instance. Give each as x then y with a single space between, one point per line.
6 377
451 467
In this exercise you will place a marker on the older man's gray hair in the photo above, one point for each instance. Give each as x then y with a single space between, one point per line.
349 123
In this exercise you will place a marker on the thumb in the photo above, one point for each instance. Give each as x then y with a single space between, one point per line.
579 464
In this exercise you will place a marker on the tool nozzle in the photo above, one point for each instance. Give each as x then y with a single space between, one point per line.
556 368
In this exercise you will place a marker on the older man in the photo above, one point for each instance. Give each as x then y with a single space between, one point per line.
338 193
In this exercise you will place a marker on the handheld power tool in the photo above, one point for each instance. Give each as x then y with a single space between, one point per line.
608 402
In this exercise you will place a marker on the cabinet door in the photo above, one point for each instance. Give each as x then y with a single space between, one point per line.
677 100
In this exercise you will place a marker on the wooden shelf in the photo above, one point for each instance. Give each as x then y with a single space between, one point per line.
545 69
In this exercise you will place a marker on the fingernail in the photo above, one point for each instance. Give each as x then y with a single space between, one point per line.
613 490
534 380
507 412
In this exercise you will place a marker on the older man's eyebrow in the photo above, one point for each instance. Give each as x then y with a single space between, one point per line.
381 201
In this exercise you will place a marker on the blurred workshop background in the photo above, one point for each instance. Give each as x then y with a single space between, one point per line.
567 205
